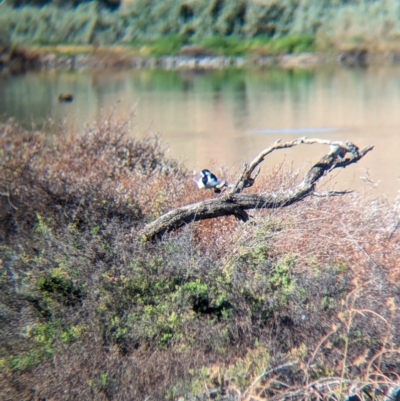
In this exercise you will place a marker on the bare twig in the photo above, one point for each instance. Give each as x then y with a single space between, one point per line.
359 246
267 373
7 195
328 194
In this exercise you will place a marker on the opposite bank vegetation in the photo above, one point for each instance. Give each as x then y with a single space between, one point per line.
300 302
250 28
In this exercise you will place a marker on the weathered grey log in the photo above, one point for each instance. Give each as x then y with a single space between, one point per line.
235 202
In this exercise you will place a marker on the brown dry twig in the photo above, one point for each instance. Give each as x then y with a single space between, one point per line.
234 202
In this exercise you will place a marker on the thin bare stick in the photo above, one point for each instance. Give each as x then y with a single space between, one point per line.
267 373
7 195
359 246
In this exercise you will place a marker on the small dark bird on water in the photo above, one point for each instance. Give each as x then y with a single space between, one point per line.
65 97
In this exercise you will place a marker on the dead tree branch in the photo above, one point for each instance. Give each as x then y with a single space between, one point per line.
235 202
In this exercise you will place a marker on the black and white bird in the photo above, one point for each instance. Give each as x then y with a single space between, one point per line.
209 181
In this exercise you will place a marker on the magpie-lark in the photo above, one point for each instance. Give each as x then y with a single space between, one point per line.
209 181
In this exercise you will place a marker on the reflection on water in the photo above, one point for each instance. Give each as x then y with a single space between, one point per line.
227 117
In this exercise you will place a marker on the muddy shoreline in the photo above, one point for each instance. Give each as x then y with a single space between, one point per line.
21 60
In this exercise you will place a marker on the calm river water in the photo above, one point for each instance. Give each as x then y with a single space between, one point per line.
227 117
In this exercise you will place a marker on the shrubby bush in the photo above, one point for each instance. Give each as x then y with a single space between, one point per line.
89 310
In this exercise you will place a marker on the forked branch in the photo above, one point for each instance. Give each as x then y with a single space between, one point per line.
235 202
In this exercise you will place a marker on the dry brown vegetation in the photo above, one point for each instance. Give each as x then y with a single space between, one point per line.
300 302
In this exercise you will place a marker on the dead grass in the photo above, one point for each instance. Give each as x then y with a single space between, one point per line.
299 303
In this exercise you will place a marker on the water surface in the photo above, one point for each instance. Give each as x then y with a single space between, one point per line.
227 117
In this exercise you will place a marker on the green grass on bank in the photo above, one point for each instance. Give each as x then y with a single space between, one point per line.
234 27
229 46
